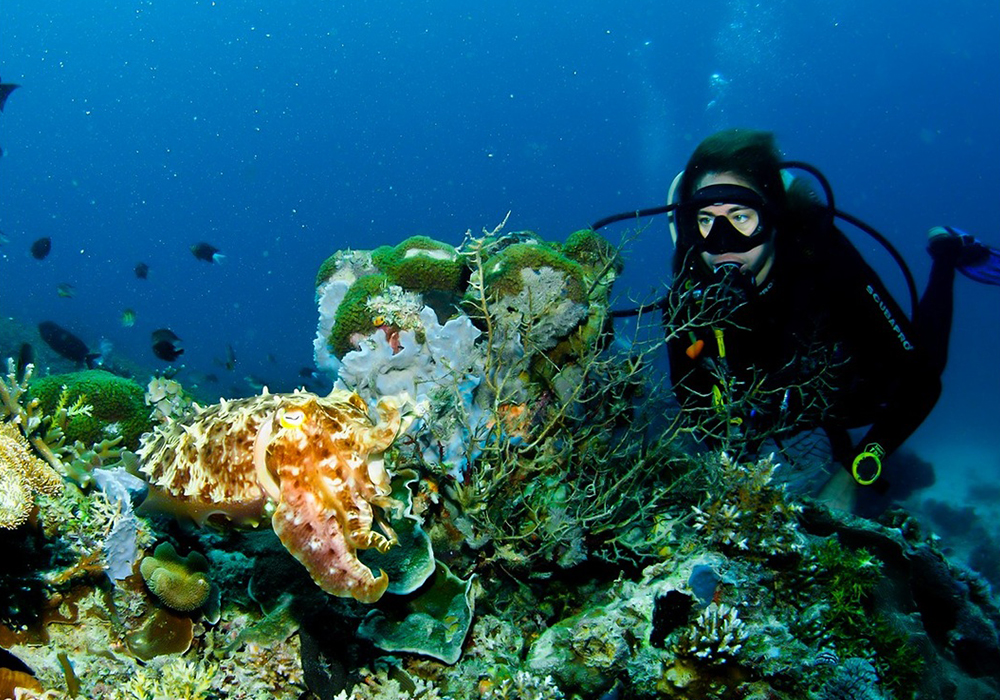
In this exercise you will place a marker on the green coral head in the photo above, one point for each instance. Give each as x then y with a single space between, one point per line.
593 252
353 316
422 264
117 406
503 273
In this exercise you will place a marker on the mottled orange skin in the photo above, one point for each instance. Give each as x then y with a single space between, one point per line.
316 460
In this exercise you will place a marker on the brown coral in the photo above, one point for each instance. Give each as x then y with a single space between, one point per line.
22 476
11 681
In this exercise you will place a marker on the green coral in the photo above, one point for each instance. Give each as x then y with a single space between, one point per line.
353 315
849 578
434 621
118 406
345 264
593 252
421 264
502 273
327 268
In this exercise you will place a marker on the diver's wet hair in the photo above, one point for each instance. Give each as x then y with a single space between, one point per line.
751 154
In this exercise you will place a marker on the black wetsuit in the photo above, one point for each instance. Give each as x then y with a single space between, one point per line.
820 344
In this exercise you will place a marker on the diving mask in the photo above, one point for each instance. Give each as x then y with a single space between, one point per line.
741 220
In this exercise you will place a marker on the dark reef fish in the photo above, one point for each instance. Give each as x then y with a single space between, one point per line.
66 343
40 249
25 357
166 345
141 270
230 361
207 252
5 90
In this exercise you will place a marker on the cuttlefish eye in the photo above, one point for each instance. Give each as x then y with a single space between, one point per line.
292 418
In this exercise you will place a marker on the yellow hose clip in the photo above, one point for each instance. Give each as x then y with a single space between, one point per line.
872 451
720 342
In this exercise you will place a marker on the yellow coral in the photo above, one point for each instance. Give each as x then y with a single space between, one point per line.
179 582
22 475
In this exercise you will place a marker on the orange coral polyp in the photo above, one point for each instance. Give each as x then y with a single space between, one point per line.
318 460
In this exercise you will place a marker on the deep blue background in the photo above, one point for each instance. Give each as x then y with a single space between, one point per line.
281 132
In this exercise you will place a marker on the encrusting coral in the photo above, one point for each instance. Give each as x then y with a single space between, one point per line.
315 461
22 476
179 582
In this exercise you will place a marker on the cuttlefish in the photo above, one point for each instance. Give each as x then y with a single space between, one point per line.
313 464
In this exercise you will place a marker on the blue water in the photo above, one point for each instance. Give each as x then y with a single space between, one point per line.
281 132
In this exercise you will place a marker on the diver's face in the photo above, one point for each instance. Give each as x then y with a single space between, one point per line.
758 260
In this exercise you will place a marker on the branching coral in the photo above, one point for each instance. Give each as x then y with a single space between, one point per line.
748 513
717 636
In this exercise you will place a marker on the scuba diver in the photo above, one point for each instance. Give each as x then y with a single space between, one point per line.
776 324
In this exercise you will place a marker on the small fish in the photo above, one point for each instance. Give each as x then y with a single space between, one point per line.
207 252
256 383
128 318
141 270
25 357
40 249
166 345
66 290
66 343
4 238
230 361
5 90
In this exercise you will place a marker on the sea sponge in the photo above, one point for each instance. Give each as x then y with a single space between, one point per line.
421 264
119 406
535 293
179 582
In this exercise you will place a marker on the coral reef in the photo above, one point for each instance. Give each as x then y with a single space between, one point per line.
527 517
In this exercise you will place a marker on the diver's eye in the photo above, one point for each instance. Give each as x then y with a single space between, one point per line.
292 418
705 222
745 221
